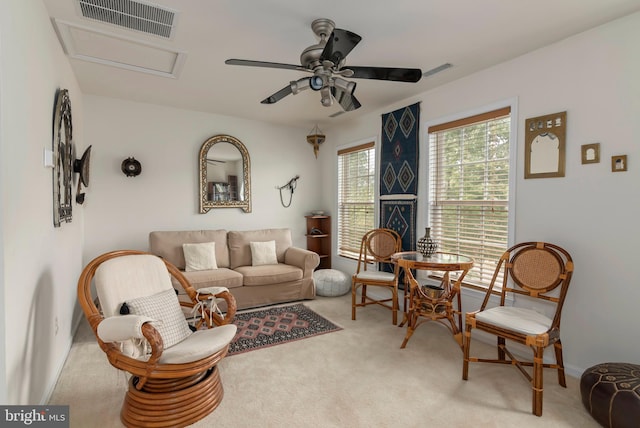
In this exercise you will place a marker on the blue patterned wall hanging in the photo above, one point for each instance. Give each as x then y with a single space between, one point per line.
400 215
399 152
399 173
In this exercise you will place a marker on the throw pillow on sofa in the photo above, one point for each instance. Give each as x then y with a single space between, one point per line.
263 253
201 256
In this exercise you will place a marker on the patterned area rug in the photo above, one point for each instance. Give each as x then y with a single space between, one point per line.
274 326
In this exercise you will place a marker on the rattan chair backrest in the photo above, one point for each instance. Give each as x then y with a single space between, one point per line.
537 269
377 246
380 244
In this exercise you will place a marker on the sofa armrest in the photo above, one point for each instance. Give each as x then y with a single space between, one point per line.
304 259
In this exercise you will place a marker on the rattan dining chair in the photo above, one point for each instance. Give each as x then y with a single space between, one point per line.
532 271
377 246
140 324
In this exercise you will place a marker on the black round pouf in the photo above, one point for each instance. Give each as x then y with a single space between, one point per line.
611 393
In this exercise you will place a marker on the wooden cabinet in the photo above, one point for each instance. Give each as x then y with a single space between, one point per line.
319 238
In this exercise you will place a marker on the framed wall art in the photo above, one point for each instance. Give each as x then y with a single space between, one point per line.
63 157
619 163
590 153
544 154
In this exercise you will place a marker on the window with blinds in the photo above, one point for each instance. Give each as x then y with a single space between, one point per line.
469 189
356 196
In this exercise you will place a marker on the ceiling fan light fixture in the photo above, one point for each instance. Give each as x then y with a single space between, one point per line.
316 82
327 99
298 86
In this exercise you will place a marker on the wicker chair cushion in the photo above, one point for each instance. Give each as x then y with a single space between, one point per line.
375 275
200 344
133 277
521 320
125 278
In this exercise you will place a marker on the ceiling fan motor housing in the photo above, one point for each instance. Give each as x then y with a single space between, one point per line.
310 57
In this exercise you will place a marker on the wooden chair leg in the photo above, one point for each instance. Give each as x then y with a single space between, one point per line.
537 381
559 361
501 345
394 304
466 345
353 300
363 292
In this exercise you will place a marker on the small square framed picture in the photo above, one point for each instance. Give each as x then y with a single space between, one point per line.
591 153
618 163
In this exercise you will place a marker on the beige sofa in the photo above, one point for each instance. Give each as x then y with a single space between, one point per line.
289 280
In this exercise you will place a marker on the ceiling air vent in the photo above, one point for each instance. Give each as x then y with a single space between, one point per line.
134 15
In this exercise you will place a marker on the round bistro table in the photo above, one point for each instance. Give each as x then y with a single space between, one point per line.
423 307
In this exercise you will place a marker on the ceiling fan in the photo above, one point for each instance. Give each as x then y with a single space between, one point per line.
326 61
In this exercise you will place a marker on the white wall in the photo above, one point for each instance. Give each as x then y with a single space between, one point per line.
121 211
591 212
40 263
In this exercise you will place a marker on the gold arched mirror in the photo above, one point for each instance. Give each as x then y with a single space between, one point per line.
224 174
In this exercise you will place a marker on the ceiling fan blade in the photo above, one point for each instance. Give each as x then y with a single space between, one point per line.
250 63
339 44
387 73
278 95
347 101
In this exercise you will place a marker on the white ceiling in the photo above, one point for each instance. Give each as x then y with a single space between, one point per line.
470 34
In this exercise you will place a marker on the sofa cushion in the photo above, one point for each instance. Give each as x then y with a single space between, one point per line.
269 274
200 256
168 245
214 278
263 253
239 244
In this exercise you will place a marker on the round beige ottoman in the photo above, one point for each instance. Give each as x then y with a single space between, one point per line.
331 282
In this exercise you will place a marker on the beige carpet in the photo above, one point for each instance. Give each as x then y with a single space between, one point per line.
356 377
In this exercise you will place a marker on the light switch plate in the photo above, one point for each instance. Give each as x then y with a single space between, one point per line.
48 158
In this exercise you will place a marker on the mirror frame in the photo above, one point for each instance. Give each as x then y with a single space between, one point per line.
206 204
539 126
